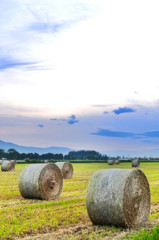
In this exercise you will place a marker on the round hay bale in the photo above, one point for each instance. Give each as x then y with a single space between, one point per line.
66 169
13 161
1 161
41 181
7 166
111 162
119 197
135 163
46 161
117 161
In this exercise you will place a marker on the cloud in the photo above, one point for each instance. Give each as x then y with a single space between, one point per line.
120 134
18 111
44 27
40 125
7 62
123 110
41 20
109 133
53 119
72 120
150 141
99 105
120 110
153 134
106 112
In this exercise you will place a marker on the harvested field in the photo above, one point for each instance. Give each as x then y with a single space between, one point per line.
67 217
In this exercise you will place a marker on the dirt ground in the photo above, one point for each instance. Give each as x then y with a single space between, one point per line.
87 232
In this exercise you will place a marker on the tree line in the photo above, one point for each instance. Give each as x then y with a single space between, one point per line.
85 155
73 155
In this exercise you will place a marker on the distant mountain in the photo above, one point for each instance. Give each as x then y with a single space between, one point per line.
23 149
64 150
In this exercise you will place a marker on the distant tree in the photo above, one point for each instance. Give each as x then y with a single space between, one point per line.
73 155
36 156
30 155
2 153
58 156
66 157
22 156
47 156
84 155
12 154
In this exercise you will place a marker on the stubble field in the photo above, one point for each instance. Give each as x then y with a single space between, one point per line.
67 217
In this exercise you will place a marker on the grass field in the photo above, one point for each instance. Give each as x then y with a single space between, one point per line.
67 217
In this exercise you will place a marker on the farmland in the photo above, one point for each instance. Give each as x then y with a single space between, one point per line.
67 217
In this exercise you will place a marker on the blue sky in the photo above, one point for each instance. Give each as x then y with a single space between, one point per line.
80 74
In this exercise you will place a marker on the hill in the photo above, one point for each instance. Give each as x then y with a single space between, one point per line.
39 150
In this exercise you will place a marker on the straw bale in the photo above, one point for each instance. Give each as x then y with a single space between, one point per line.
7 166
119 197
135 163
1 161
66 169
117 161
41 181
111 162
13 161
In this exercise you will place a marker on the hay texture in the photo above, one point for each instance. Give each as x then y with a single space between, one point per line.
41 181
117 161
13 161
135 163
66 169
1 161
7 166
111 162
119 197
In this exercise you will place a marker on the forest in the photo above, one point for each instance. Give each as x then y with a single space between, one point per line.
73 155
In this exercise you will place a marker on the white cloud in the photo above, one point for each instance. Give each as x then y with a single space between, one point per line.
99 60
19 37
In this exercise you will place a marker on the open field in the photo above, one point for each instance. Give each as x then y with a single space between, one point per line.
67 217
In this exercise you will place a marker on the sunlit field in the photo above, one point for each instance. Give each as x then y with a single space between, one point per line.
67 217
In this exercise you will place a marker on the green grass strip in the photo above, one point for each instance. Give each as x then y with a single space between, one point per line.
152 234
